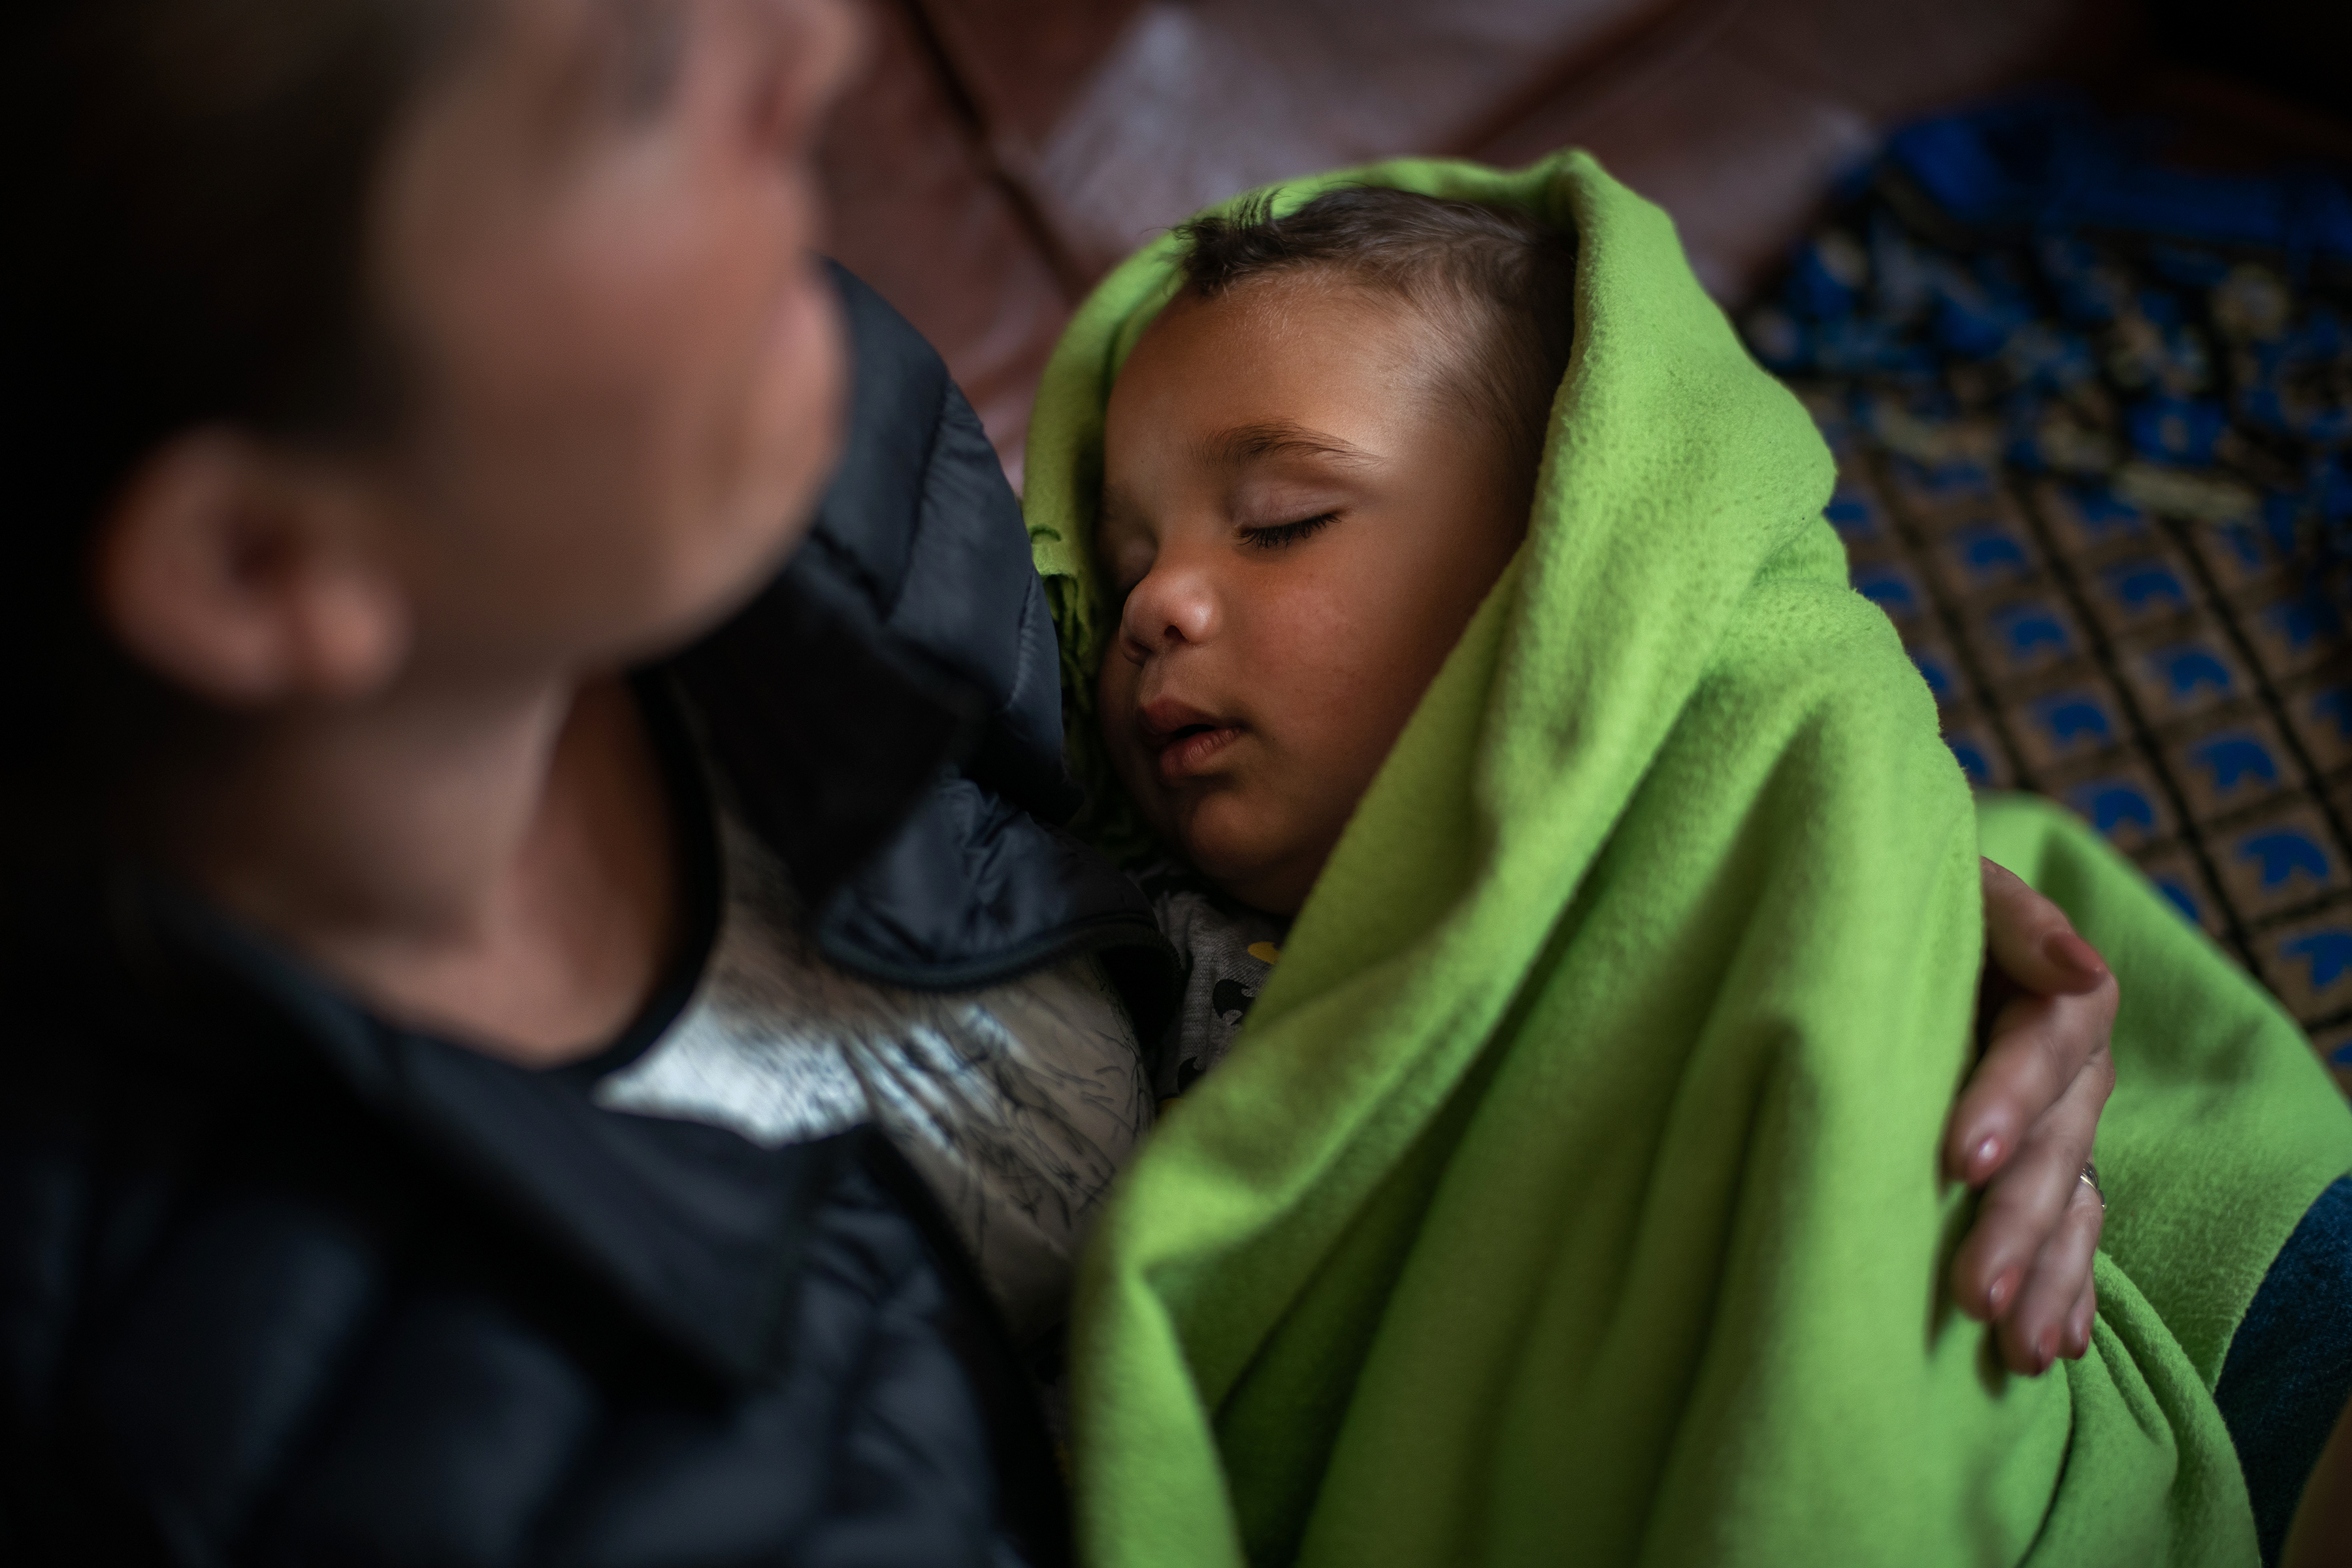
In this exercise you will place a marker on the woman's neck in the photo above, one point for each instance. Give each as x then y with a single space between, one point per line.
498 867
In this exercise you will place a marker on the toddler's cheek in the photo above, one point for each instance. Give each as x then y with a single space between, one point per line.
1227 833
1136 772
1115 728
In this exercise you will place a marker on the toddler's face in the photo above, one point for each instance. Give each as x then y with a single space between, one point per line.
1301 524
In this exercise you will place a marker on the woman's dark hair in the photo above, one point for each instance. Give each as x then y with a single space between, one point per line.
188 185
1503 283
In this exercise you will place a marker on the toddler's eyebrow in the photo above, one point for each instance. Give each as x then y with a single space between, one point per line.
1278 438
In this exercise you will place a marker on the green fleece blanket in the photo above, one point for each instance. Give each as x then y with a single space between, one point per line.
1571 1194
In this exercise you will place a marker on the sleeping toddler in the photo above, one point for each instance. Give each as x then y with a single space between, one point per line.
1317 459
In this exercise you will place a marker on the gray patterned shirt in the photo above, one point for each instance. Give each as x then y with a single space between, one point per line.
1227 951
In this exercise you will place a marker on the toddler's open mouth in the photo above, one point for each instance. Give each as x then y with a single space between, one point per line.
1183 738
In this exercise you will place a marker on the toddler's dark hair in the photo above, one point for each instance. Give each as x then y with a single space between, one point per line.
1507 281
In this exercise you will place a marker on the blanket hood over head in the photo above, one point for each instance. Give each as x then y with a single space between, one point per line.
1571 1193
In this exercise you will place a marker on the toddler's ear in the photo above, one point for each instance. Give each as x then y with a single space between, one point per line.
250 577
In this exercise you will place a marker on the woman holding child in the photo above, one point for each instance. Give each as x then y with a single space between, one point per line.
472 900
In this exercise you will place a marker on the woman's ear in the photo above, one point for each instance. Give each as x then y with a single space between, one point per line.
251 577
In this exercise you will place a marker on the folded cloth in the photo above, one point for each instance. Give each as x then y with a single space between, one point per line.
1571 1189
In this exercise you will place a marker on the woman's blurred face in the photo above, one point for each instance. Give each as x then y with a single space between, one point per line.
594 239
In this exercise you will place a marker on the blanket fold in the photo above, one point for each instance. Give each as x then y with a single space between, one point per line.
1571 1192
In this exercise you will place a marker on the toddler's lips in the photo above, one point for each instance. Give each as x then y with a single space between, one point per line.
1183 738
1191 750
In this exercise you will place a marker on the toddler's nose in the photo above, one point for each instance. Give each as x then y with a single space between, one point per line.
1173 604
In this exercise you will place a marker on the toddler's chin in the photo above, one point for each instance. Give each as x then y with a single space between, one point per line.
1234 850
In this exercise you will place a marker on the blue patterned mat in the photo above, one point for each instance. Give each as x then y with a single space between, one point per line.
2093 423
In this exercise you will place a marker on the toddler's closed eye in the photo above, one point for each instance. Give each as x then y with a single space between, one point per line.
1275 535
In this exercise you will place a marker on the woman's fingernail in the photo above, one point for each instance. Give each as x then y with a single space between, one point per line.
1986 1155
2078 958
1997 1296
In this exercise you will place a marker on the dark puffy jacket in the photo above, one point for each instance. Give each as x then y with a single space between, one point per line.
923 709
280 1282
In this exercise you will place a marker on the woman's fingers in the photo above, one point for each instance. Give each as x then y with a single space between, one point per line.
2035 1054
2039 1327
2037 1048
2051 1023
2078 1322
2027 1200
2023 1127
2030 939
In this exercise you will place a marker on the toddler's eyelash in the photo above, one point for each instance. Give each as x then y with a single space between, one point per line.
1281 533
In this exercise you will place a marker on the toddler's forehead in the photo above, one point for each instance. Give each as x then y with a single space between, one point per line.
1245 338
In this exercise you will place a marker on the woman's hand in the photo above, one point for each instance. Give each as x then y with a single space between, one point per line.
2022 1129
